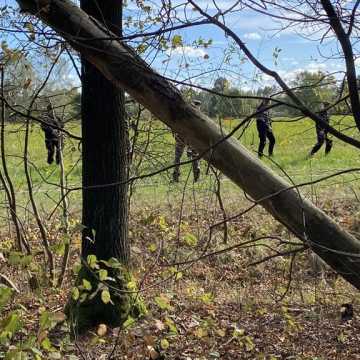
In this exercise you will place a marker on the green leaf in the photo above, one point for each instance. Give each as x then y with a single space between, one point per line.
26 260
190 239
152 247
9 326
341 337
141 48
16 354
66 239
207 298
103 274
238 333
92 262
163 302
164 344
46 344
29 26
76 268
46 320
131 285
176 41
105 296
55 355
58 249
5 296
38 354
75 293
201 333
177 274
249 344
162 223
130 321
86 284
112 263
17 258
172 326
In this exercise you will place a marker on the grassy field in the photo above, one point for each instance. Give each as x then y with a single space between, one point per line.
294 141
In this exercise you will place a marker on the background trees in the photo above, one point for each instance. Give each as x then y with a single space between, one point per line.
313 88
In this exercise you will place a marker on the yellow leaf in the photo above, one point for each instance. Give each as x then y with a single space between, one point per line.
75 293
200 333
152 247
164 344
87 284
105 296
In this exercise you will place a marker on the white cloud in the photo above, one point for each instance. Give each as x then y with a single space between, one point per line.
252 36
290 75
188 51
315 67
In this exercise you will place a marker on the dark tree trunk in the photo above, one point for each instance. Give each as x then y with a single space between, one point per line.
104 133
105 172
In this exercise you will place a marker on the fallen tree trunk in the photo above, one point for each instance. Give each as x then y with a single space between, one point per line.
127 70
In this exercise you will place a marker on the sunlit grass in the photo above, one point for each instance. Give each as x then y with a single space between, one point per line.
294 140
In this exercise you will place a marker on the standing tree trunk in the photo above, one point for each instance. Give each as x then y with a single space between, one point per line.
105 139
104 162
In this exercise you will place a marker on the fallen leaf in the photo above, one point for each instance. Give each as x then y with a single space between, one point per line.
149 340
101 330
159 325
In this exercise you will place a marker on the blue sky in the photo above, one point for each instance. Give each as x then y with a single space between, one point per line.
300 49
260 34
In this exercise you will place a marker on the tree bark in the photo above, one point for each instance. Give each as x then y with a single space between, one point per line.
104 151
346 46
126 70
104 161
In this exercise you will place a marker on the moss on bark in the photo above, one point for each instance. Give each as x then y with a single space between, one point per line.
86 308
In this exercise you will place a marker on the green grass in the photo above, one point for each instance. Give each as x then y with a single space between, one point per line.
294 141
44 176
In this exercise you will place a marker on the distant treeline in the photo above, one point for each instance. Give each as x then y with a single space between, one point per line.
312 88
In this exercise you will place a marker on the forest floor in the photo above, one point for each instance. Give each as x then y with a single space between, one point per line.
219 307
222 307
